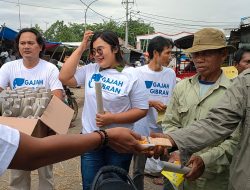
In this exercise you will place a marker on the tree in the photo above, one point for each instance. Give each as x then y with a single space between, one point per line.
38 28
72 32
136 27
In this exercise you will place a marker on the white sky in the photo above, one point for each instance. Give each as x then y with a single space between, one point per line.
167 16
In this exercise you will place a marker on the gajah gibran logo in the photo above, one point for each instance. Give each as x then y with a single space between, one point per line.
148 84
157 88
96 78
108 84
21 81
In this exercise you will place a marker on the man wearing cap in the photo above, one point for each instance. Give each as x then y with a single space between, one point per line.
193 98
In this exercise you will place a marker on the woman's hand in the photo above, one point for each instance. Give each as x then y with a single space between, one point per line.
104 119
87 35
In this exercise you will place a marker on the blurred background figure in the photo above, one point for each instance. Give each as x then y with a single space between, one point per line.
242 59
142 60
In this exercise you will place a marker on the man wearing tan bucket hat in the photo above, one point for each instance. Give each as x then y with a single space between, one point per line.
192 99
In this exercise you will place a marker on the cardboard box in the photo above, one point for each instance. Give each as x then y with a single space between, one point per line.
57 117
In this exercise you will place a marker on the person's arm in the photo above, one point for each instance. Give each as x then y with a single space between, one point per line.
139 107
221 155
218 157
58 93
54 83
129 116
69 67
220 122
33 153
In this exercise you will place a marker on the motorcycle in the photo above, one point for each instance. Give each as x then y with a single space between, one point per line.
71 101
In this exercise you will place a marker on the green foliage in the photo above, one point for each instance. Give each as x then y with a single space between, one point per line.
38 28
72 32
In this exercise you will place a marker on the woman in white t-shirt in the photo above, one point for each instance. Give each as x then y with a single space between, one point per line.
124 97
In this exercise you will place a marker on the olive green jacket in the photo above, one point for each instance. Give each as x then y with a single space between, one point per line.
186 106
221 121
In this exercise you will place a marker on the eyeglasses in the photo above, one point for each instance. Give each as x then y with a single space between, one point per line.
206 53
98 50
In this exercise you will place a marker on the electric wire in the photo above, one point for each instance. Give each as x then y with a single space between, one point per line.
199 21
178 23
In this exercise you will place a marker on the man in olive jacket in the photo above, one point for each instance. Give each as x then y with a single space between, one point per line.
194 97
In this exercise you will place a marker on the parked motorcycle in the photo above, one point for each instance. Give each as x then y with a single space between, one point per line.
71 101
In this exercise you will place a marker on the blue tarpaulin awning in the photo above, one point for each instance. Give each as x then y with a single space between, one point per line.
9 34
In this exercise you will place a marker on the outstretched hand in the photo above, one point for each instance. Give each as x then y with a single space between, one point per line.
124 140
159 151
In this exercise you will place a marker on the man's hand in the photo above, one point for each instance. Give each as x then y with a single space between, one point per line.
124 140
159 151
174 156
159 106
197 168
104 119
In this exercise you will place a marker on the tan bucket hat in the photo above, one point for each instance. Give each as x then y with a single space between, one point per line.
209 38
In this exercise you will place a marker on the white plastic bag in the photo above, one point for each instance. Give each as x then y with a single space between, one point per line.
153 166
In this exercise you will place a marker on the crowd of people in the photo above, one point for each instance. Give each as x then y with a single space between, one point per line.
205 117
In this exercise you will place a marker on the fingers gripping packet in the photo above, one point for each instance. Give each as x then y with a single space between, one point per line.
151 142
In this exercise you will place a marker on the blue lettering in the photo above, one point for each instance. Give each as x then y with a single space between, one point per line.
159 92
160 85
111 89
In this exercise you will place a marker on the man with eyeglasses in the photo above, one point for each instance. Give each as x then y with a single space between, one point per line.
193 98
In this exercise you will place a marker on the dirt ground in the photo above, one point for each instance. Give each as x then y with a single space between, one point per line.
67 175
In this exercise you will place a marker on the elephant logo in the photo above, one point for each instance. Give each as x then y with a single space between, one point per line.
148 84
18 82
96 78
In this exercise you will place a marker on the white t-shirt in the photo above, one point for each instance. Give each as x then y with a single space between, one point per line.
159 86
15 74
9 141
121 91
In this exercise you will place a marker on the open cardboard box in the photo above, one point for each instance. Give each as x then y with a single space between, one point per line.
57 117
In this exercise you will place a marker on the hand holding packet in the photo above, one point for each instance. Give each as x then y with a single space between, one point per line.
148 142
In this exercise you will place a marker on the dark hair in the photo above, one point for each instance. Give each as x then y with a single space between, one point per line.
158 43
112 39
39 39
239 53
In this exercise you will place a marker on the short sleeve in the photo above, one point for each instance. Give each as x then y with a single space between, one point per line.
80 76
4 76
54 82
9 141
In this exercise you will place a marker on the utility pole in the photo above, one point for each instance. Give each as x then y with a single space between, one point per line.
85 13
127 2
46 25
19 15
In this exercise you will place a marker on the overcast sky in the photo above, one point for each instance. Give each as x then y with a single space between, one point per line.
167 16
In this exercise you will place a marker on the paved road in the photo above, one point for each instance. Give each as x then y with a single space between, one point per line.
67 174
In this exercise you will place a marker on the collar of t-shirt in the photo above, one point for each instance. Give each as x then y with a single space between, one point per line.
204 86
119 68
